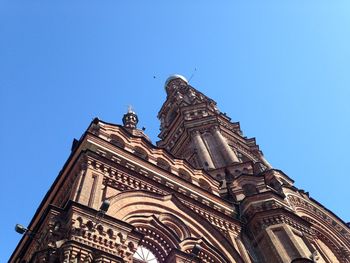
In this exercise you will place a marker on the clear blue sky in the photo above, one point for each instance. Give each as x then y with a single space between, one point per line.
281 68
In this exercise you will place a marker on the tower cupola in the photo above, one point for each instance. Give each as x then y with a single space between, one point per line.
180 81
130 119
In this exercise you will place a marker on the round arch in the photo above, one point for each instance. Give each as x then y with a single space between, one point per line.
117 141
129 205
162 163
325 232
205 185
141 152
208 252
185 175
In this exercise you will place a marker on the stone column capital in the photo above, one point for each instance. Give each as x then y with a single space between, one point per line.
195 133
215 128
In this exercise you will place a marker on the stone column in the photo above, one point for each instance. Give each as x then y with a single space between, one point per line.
202 151
243 251
225 149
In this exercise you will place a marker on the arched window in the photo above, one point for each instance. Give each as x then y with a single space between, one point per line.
249 189
204 184
141 153
163 164
185 175
143 255
117 141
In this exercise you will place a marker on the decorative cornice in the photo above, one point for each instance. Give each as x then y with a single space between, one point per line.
310 208
276 216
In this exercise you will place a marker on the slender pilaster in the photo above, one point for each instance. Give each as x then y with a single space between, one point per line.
227 152
78 183
202 151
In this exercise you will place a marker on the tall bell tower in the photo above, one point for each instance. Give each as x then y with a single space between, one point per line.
203 193
193 128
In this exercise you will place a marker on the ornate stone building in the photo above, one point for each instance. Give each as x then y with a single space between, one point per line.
204 193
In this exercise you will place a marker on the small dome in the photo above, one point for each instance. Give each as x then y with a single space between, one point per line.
130 119
175 76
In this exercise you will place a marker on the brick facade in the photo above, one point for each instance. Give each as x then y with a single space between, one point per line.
203 183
